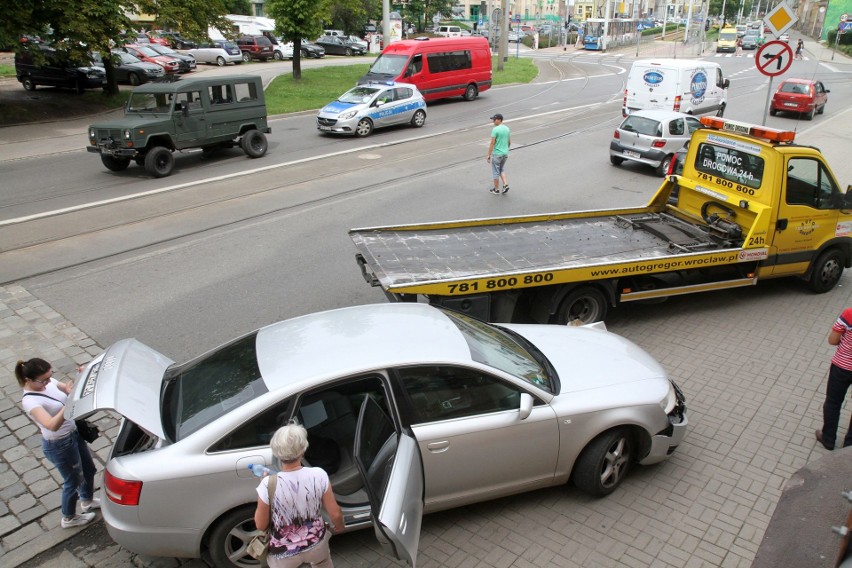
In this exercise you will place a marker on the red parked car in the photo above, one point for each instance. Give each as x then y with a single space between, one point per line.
801 96
145 53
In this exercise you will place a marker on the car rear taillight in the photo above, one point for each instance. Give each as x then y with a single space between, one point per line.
122 491
677 104
616 134
658 143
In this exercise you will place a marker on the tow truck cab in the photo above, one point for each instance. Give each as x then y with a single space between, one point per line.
781 197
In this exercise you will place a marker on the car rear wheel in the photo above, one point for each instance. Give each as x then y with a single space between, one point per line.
663 168
246 56
159 162
809 115
303 53
29 84
773 112
721 111
220 61
585 303
616 161
230 538
604 463
115 164
471 92
419 119
133 79
364 128
254 143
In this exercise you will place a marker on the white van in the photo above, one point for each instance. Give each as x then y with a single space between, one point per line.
691 87
448 31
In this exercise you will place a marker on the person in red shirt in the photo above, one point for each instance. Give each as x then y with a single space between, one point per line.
839 381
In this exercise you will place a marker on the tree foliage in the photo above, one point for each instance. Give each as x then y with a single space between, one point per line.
240 7
297 20
190 17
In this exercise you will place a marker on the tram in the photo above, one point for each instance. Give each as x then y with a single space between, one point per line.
601 33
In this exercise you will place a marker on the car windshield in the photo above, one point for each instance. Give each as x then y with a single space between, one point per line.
642 125
728 36
149 102
358 95
126 57
147 51
389 64
162 49
207 388
498 348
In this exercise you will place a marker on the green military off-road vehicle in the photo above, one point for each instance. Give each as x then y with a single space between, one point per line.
207 113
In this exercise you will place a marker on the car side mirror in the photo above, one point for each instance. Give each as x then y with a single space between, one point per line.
526 406
726 83
379 103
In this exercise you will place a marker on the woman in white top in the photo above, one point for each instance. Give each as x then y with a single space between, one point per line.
299 534
43 400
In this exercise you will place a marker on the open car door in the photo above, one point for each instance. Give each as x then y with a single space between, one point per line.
392 471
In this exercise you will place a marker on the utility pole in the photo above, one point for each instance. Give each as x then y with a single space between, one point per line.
724 17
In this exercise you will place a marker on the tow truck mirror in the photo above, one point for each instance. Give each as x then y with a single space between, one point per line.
847 197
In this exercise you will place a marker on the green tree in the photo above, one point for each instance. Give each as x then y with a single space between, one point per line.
239 7
190 17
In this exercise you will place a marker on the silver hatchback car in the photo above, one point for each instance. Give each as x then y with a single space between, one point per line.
409 408
652 137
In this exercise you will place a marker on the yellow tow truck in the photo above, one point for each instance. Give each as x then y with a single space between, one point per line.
749 204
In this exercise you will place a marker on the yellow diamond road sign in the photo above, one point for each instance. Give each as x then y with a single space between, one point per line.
780 19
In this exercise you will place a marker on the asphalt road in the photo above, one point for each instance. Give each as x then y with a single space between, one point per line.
227 245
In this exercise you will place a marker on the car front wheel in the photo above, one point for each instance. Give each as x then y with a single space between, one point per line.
114 164
364 128
604 463
230 538
133 79
29 84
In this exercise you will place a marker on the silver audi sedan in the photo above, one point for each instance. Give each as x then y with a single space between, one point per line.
409 408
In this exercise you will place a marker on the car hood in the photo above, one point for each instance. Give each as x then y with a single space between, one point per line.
337 107
587 358
130 121
126 378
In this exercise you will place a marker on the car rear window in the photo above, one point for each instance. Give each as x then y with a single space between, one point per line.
642 125
728 163
798 88
206 388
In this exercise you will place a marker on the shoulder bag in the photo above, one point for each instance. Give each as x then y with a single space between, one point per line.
258 547
87 430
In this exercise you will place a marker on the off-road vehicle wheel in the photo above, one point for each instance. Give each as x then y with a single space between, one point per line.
254 143
159 162
115 164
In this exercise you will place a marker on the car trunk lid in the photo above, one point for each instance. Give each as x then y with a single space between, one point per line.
127 378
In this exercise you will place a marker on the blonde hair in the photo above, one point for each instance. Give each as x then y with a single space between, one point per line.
289 442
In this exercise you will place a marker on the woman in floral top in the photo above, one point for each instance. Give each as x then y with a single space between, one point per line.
299 533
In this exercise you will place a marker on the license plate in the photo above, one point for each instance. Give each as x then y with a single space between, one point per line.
790 105
630 154
325 127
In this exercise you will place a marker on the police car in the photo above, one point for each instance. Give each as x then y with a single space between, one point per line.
373 105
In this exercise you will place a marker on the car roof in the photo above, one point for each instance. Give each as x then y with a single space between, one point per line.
658 114
797 80
356 339
190 82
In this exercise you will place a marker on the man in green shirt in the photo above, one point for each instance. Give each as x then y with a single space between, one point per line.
498 153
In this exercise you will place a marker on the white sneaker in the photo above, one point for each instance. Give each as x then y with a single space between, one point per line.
77 520
90 505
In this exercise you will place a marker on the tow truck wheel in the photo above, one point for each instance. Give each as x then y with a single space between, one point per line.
585 303
159 162
419 119
115 164
604 463
826 271
254 143
363 128
616 161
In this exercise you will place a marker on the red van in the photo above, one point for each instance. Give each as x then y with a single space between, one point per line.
439 67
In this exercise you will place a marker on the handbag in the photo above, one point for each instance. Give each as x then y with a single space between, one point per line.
258 547
87 430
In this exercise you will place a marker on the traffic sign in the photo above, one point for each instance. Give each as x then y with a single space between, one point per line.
844 27
780 19
773 58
